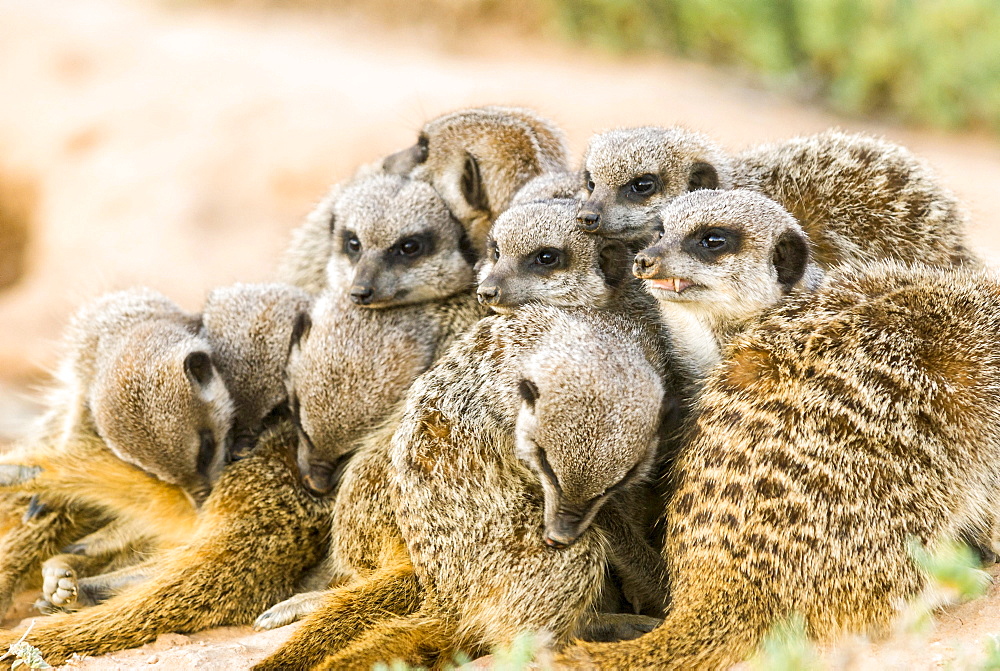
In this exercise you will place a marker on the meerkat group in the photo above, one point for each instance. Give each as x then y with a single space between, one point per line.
644 409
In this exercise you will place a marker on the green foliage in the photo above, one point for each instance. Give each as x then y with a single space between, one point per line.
953 568
787 648
929 61
992 660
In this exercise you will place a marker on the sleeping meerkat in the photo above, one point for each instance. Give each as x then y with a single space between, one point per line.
724 259
137 427
477 159
848 424
858 198
505 475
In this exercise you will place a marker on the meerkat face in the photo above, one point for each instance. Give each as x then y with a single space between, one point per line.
401 243
630 173
478 158
725 254
249 327
536 254
336 352
587 427
160 404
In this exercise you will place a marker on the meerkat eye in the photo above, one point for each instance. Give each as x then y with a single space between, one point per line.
590 183
351 244
496 253
422 148
410 247
547 257
645 185
714 239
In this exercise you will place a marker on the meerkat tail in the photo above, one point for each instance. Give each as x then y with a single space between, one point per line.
345 613
258 534
711 625
413 639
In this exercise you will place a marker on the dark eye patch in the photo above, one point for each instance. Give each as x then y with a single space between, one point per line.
589 182
641 188
423 149
350 244
710 243
409 248
546 260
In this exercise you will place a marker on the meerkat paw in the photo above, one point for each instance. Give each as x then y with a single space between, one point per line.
60 588
289 610
13 475
611 627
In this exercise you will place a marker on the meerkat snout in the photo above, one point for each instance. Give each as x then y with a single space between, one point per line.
589 217
488 294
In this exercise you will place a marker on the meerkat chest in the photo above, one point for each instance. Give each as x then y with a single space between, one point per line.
695 342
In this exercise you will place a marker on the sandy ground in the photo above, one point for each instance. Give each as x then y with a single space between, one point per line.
177 146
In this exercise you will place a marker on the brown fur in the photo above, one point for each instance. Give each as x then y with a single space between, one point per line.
836 430
217 578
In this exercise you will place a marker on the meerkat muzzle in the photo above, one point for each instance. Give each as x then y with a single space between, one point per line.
675 284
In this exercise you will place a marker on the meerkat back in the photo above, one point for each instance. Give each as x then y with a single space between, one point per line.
848 425
859 198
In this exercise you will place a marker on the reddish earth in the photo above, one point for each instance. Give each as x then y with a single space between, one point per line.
177 146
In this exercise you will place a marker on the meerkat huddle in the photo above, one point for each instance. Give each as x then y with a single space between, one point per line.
644 410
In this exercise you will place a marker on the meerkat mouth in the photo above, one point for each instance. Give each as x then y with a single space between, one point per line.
675 284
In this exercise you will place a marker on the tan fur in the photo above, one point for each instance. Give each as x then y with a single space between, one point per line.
478 158
453 459
842 426
218 577
857 197
723 259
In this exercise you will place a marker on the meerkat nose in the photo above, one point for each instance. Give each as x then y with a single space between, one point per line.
589 221
362 295
644 265
488 294
553 543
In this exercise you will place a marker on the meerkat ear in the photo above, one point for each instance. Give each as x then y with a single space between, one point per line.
615 262
790 257
703 176
198 366
303 323
528 391
472 184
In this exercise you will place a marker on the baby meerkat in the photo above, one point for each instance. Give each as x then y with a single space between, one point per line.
858 198
724 259
396 243
848 425
478 158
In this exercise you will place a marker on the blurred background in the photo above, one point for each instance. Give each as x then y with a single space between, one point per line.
176 143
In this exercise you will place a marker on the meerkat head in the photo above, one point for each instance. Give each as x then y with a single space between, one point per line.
630 173
535 253
549 186
478 158
249 327
591 407
347 368
159 403
726 255
396 241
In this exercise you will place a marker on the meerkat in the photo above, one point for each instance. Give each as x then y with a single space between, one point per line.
396 243
528 433
628 173
257 533
858 198
844 426
478 158
248 328
137 428
724 258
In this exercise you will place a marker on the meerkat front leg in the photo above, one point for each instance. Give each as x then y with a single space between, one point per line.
63 590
